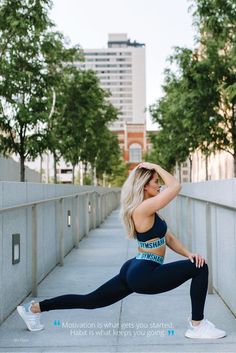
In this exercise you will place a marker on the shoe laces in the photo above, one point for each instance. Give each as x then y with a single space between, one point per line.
34 319
208 323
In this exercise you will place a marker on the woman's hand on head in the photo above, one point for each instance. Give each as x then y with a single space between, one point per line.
147 165
199 260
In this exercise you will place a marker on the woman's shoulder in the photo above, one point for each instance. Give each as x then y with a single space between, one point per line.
138 212
141 221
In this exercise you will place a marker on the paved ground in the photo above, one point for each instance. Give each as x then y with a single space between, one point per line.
138 323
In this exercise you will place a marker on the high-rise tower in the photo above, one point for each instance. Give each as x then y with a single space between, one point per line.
121 70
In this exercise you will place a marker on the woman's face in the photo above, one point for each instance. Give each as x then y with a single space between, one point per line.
153 187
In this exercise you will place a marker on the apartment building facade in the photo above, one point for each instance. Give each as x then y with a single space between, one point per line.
121 70
218 166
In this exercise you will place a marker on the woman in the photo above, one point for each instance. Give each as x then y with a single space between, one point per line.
145 273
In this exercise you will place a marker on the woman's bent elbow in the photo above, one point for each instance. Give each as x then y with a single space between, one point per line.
177 184
179 187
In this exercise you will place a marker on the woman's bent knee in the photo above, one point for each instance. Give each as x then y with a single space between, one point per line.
205 267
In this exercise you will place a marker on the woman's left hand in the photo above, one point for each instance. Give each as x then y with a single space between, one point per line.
199 260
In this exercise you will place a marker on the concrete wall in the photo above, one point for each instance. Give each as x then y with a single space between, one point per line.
209 229
16 280
10 171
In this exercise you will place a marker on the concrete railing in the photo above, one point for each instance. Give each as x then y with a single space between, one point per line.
37 232
203 217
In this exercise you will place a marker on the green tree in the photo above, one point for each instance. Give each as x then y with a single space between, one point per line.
199 96
179 128
60 60
85 120
108 159
119 173
27 50
198 106
216 24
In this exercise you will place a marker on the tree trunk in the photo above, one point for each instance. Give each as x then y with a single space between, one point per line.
235 165
179 167
41 168
81 173
85 169
73 174
48 168
22 168
206 164
234 134
91 174
104 180
94 176
191 168
55 168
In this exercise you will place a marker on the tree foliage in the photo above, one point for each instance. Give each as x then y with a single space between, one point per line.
83 126
198 106
46 103
30 52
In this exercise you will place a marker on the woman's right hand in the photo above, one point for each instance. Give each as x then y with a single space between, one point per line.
147 165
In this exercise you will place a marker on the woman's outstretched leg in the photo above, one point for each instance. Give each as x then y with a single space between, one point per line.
109 293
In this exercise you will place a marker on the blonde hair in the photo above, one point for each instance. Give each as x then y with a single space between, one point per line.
132 195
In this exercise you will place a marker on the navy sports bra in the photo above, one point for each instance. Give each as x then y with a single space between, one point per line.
158 230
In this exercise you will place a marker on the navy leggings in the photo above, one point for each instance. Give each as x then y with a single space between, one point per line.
140 276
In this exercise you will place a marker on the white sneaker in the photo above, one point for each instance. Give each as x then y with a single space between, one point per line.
31 319
205 329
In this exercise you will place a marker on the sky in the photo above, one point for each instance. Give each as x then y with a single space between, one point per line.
160 24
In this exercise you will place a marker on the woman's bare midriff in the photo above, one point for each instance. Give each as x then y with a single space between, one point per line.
159 251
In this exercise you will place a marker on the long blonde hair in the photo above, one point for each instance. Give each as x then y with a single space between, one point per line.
132 195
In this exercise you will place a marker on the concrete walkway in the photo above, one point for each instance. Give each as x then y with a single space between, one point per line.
138 323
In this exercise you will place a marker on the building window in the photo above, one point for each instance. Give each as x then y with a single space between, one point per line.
66 171
135 153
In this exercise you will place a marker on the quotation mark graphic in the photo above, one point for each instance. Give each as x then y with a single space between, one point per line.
171 332
57 323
